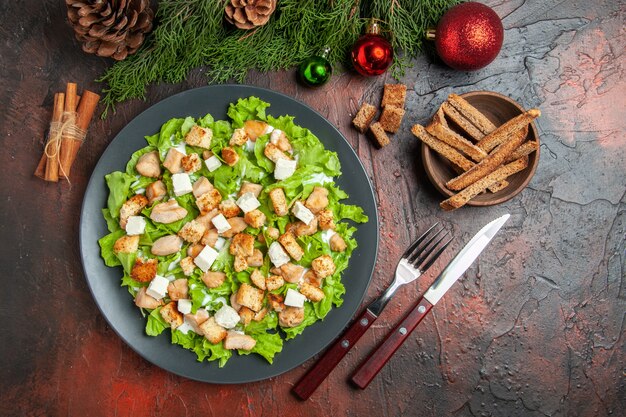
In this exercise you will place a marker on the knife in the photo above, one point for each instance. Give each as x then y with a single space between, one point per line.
370 367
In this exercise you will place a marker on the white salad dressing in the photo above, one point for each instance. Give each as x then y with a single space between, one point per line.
250 146
185 327
181 148
317 178
208 298
174 264
140 191
327 235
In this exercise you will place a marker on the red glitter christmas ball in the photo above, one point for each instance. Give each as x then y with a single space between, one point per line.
372 53
469 36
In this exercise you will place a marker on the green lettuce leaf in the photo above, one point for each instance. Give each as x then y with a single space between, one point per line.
156 324
106 247
119 186
250 108
309 318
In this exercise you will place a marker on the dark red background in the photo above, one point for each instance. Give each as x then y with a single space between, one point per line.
536 326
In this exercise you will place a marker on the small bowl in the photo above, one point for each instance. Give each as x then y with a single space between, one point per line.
498 109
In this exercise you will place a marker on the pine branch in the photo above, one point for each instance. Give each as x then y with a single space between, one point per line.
192 33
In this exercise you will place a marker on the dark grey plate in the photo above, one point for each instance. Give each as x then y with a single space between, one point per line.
115 302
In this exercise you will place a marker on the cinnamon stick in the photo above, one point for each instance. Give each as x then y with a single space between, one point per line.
52 167
57 115
71 144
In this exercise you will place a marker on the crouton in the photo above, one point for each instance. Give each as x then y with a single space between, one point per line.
246 315
236 340
250 187
258 279
199 136
144 271
126 244
274 282
229 208
238 138
242 244
166 245
208 201
206 154
206 218
273 232
317 200
273 153
170 314
391 118
191 163
337 243
248 296
132 207
155 191
364 117
240 263
291 272
311 292
312 278
192 231
291 246
210 238
194 250
260 315
212 331
143 300
325 219
323 266
291 316
394 95
149 165
237 225
201 186
279 201
379 135
302 229
178 289
276 302
173 161
255 218
256 259
213 279
187 265
230 156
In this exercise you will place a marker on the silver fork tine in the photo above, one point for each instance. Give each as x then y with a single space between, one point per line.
422 248
418 241
433 258
421 257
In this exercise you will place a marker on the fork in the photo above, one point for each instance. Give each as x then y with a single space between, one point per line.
414 262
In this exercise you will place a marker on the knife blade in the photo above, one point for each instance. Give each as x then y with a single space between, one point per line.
370 367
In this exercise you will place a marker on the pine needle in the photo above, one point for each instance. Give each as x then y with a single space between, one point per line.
192 33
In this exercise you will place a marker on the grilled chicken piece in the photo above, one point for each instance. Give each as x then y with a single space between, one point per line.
194 250
149 165
143 300
174 161
256 259
318 200
237 225
302 229
155 191
195 320
290 316
168 212
206 218
250 187
201 186
255 128
178 289
233 302
291 273
236 340
337 243
166 245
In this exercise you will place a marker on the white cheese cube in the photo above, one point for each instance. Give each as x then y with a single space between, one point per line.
294 298
302 213
268 129
277 254
248 202
184 306
220 223
275 135
227 317
284 169
205 258
182 184
212 163
158 287
219 243
135 225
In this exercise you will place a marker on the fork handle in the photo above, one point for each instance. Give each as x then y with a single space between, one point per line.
370 367
324 366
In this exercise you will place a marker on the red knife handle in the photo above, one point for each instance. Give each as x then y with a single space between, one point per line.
324 366
370 367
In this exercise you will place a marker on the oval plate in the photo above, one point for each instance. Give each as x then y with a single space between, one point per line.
116 304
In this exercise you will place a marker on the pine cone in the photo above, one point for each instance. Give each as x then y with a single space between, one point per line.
248 14
110 28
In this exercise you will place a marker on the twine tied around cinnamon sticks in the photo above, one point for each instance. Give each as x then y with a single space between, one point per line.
67 132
